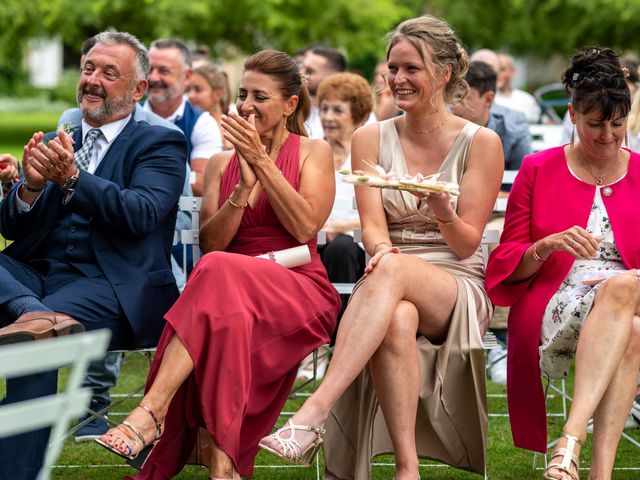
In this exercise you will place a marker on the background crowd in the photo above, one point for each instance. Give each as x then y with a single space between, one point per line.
80 206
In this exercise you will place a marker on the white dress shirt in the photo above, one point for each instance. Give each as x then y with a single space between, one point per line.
205 137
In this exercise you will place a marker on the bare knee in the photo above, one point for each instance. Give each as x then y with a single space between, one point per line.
620 293
402 330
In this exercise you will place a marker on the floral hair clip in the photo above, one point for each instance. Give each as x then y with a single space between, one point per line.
625 71
304 79
575 77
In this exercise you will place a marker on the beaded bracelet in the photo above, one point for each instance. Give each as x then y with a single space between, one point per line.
537 257
234 204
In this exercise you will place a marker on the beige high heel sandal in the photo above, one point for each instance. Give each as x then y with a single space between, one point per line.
292 451
568 458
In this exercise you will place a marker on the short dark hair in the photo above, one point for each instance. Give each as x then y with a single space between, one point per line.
482 77
87 45
187 57
335 59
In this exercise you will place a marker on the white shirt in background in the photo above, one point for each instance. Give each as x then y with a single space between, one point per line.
521 101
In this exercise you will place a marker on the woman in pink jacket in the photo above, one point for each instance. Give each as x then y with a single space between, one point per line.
566 264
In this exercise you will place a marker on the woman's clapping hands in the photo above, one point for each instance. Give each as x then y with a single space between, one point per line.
242 134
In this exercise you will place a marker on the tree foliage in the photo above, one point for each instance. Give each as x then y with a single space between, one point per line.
228 26
358 27
543 27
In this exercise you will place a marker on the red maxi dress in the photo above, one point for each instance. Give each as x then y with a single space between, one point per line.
246 323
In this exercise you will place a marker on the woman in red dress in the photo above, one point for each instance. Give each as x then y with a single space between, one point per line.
229 353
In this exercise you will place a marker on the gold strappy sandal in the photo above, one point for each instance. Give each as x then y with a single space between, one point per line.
131 437
292 451
568 458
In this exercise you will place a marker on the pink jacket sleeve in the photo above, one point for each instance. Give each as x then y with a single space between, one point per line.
515 240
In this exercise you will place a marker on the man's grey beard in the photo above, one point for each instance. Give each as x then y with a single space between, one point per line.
167 95
110 107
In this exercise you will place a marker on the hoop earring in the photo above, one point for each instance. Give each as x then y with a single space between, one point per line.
573 134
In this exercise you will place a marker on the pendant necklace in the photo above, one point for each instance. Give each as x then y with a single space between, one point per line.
428 131
599 179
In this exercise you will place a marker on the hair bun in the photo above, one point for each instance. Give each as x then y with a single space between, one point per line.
595 79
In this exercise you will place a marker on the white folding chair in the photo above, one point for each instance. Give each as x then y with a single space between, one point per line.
56 410
191 237
552 388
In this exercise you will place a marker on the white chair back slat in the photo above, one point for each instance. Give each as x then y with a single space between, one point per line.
191 237
56 410
545 136
508 178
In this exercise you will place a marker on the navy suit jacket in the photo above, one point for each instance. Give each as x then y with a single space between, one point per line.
131 203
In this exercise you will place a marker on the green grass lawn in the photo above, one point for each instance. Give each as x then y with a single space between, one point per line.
17 128
505 462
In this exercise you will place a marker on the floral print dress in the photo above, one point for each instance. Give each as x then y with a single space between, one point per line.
569 307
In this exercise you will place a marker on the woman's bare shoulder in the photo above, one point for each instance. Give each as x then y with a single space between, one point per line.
314 146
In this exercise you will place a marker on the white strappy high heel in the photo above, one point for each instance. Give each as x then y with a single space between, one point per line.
292 451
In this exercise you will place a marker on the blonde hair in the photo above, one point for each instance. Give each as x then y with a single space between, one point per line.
634 114
429 34
217 80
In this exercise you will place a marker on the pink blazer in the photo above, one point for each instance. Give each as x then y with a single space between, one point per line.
546 198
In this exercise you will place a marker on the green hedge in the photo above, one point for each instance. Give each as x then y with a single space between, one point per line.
17 128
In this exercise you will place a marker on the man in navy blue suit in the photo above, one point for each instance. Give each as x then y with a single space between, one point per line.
92 223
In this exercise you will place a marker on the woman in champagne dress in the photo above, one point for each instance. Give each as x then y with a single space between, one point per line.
407 374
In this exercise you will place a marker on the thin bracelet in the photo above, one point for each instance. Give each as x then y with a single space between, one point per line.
380 243
537 257
234 204
33 190
450 222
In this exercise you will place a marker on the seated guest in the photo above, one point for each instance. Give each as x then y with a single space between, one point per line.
230 351
410 339
511 97
103 374
92 223
516 143
569 273
385 104
9 173
208 89
345 101
168 78
319 62
511 115
515 138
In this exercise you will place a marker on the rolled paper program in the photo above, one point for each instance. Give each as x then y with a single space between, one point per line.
289 257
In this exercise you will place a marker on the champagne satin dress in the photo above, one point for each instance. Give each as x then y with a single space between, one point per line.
452 412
